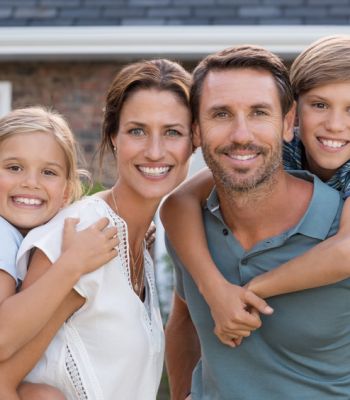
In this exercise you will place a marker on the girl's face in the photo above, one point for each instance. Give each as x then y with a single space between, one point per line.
324 121
33 179
153 143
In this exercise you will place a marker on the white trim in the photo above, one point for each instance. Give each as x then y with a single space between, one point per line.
187 42
5 97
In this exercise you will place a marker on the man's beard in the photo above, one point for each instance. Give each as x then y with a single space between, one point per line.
242 180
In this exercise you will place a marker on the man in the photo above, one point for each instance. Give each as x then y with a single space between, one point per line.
258 217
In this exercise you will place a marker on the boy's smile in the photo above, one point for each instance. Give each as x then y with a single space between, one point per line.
324 120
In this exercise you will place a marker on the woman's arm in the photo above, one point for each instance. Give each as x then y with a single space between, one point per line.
326 263
27 312
182 218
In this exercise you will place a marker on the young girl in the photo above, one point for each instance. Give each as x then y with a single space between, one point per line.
321 82
111 347
38 176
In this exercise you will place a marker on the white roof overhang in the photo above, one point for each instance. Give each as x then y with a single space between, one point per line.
130 42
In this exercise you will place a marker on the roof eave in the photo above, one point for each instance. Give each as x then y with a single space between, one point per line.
185 42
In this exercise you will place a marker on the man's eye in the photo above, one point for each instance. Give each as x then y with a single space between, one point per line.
221 114
259 113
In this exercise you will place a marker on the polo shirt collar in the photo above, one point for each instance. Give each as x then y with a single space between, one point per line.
319 216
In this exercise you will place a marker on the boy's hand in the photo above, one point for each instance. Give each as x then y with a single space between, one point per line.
232 310
89 248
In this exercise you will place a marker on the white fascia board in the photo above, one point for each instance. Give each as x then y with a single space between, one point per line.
186 42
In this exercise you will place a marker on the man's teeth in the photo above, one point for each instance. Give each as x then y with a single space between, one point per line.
154 171
242 157
335 144
25 200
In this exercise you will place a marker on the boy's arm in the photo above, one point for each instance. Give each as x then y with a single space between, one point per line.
326 263
182 349
27 312
182 218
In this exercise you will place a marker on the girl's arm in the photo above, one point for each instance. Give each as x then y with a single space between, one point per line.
326 263
27 312
13 370
182 218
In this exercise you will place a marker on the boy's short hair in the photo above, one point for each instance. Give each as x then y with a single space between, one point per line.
324 61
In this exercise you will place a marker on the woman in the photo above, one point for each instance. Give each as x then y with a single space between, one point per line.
111 347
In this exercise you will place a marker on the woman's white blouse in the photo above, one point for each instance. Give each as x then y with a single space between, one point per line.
112 348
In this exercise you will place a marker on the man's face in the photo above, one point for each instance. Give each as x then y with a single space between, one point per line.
241 127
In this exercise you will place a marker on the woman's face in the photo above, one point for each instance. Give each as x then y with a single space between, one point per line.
153 143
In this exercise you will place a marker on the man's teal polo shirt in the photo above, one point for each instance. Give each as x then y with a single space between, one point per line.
302 351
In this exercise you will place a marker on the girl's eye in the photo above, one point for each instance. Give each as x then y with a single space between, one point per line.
173 133
49 172
136 132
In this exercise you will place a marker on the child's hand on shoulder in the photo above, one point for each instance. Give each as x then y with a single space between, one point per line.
235 311
89 248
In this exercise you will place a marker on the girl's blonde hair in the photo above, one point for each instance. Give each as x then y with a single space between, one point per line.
40 119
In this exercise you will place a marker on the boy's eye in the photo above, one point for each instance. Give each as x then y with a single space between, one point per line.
15 168
172 132
319 105
137 132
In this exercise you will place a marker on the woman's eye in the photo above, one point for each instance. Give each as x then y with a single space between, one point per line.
136 132
221 114
173 132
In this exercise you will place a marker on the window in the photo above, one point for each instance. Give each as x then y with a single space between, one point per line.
5 97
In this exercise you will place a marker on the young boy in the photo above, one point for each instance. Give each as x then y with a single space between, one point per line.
321 82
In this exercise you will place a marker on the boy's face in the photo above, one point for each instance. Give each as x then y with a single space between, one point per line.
324 121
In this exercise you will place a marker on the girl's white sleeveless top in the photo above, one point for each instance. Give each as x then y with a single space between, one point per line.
113 347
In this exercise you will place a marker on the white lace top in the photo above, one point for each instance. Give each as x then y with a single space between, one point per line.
112 348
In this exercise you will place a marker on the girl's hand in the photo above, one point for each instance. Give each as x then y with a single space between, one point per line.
89 248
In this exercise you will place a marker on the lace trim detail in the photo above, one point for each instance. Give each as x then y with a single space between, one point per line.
74 375
123 246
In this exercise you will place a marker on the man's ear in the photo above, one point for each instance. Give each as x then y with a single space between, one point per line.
196 138
289 123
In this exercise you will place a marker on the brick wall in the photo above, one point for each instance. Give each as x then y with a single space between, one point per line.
76 89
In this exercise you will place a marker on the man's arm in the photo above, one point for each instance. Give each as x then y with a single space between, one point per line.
182 349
